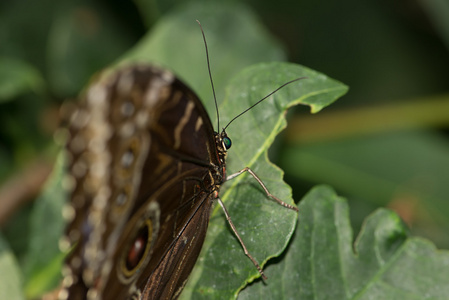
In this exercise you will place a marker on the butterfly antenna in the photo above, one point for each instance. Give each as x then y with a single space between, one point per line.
210 75
246 110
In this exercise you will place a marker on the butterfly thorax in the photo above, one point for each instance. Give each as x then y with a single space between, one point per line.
222 143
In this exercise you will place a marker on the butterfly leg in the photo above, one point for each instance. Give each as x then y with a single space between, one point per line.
263 186
228 218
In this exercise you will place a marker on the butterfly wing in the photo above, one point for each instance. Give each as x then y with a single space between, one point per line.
142 160
170 254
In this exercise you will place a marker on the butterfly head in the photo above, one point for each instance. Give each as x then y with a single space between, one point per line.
223 140
223 143
226 141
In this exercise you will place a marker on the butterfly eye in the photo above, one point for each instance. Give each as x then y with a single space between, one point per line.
227 142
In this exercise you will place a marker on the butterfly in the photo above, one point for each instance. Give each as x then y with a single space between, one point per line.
146 167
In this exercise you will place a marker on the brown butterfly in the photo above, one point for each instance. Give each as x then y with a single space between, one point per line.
146 166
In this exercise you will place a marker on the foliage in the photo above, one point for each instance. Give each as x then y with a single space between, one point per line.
41 65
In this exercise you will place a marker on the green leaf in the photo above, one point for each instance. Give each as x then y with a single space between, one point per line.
82 39
10 277
44 259
176 42
378 168
17 78
322 263
223 269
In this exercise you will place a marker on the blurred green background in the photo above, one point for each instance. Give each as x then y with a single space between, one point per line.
385 143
